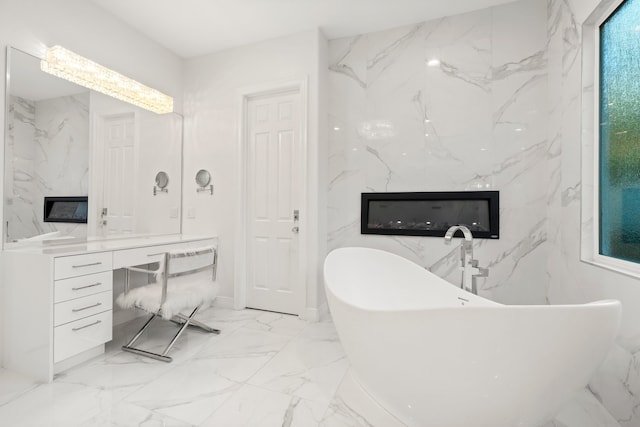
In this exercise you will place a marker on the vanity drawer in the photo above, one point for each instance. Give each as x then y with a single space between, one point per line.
77 265
76 287
81 335
68 311
139 256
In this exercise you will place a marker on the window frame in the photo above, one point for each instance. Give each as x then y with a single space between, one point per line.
590 206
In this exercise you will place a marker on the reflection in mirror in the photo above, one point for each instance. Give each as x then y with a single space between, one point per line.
64 140
203 178
162 180
46 148
129 146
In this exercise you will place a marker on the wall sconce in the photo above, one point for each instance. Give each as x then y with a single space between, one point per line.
162 180
203 178
70 66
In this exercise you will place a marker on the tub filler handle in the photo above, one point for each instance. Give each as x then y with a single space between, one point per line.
482 272
468 265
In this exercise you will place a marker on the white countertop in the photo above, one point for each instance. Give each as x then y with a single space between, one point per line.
74 247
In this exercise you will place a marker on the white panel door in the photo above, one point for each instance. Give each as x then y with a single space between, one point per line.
119 175
273 271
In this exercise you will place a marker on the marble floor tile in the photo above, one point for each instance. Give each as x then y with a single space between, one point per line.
242 352
126 414
584 411
257 407
321 331
307 367
351 407
554 423
13 385
55 404
227 319
118 374
245 342
190 392
264 369
277 323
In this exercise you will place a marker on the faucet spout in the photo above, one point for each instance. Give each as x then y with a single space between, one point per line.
452 230
467 245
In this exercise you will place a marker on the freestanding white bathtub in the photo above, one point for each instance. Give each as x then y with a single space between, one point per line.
434 355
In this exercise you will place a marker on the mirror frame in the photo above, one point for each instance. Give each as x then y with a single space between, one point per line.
5 139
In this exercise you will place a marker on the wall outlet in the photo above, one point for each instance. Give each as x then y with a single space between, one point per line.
173 213
191 213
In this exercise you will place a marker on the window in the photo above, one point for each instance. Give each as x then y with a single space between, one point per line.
618 153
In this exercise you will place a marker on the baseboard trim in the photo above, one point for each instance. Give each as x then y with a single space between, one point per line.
316 314
78 358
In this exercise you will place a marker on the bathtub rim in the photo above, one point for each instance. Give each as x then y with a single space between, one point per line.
490 304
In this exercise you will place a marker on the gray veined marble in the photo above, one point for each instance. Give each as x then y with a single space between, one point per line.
342 66
265 369
47 154
475 118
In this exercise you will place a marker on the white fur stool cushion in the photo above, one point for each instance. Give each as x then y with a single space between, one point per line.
183 293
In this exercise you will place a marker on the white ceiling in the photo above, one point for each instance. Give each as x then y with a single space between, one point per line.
191 28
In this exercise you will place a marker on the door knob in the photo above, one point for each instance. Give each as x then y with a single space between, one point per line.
295 229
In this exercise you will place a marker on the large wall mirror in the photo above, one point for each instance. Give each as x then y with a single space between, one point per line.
65 141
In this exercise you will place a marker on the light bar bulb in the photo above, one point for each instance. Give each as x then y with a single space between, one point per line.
65 64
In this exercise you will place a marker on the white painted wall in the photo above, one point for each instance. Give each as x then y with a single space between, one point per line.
323 165
212 112
34 25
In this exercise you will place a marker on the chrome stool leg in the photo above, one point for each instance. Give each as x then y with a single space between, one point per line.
194 323
129 346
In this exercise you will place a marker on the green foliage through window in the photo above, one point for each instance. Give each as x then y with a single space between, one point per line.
620 133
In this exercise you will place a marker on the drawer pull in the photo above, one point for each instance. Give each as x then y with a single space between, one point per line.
159 253
75 310
85 287
86 326
86 265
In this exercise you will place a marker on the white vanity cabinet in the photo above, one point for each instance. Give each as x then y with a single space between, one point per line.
83 302
57 305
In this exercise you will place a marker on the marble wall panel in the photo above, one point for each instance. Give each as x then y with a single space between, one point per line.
47 155
466 98
19 168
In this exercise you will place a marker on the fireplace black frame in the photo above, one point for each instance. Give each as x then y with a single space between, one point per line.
492 197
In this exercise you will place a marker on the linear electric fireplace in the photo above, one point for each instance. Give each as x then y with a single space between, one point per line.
431 213
66 209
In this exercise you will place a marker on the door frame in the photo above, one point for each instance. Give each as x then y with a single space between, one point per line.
241 240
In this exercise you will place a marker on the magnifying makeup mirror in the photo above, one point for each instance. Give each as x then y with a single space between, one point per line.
203 179
162 180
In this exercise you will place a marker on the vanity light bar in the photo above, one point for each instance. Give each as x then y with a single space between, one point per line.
70 66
